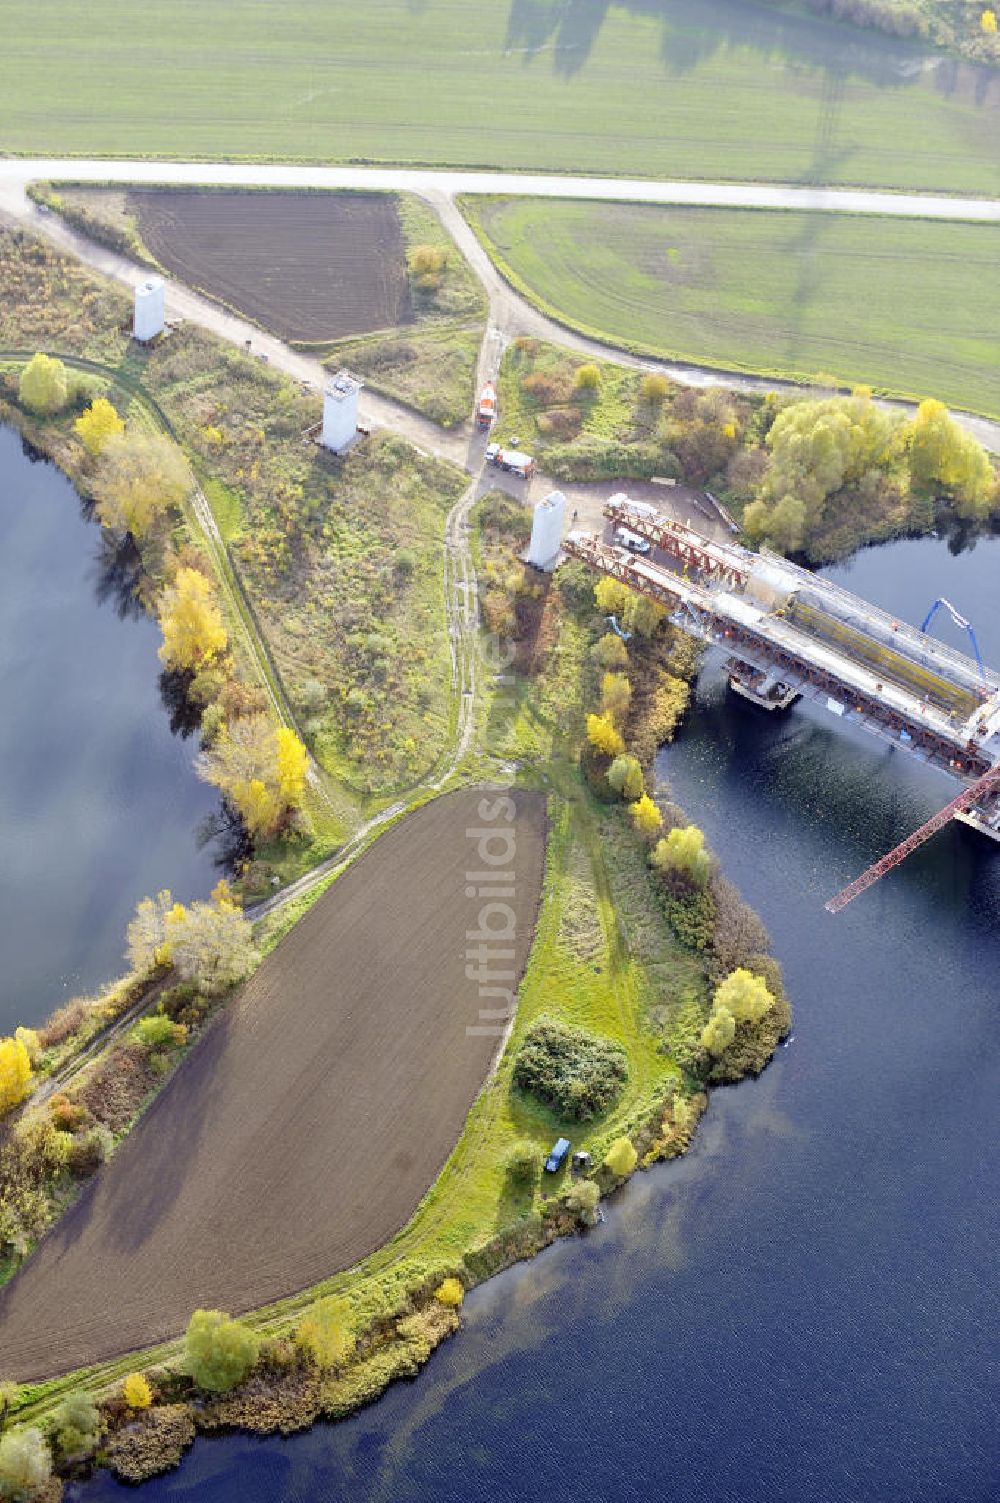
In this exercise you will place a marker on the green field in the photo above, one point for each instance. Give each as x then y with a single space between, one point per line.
908 306
653 88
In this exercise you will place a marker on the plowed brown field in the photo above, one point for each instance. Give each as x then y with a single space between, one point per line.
303 1131
307 266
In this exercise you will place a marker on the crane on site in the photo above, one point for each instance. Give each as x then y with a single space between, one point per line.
960 621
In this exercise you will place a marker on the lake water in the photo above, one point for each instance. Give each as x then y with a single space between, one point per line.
99 803
804 1309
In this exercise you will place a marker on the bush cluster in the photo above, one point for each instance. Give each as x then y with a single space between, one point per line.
573 1072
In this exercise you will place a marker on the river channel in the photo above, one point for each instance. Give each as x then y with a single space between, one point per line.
99 802
805 1307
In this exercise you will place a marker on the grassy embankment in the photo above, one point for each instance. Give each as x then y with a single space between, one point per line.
903 305
702 89
339 561
604 958
428 361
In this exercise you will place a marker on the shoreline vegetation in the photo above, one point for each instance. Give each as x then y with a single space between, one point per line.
649 981
624 927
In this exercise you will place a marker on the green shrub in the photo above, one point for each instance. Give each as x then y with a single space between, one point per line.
573 1072
653 389
77 1425
219 1352
587 378
581 1199
621 1158
159 1032
522 1163
691 915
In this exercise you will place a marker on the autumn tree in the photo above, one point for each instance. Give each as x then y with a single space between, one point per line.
325 1332
77 1426
653 389
604 736
683 851
99 424
744 995
136 1391
719 1032
616 696
218 1351
293 767
633 612
625 777
210 944
148 943
193 630
988 22
212 947
621 1158
139 477
521 1163
450 1292
587 377
43 387
15 1073
645 815
944 454
610 652
25 1464
581 1200
260 769
817 448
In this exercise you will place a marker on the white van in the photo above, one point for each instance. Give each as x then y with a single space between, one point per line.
625 538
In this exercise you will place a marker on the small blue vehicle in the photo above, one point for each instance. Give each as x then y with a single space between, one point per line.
557 1157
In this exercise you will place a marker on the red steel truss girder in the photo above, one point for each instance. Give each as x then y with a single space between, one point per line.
679 541
988 783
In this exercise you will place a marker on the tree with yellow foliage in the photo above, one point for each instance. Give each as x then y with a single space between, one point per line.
719 1032
988 22
325 1332
621 1158
136 1391
942 453
148 941
15 1073
193 630
683 851
645 815
604 736
97 425
616 696
745 995
293 765
451 1292
259 769
210 944
43 387
139 477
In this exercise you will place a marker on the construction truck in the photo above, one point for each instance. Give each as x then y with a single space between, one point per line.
512 460
486 409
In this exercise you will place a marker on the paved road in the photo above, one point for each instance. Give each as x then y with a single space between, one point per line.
16 171
510 314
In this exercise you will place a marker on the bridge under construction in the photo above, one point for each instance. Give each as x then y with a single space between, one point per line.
788 633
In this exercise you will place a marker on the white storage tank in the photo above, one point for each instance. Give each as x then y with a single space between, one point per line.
340 411
546 531
148 321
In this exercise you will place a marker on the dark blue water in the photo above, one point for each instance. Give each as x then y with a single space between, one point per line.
99 803
805 1307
